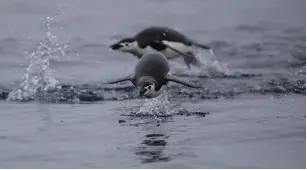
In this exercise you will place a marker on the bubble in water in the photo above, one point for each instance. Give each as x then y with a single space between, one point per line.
38 76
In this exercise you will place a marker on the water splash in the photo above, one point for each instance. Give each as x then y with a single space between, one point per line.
38 77
159 110
157 106
160 107
209 66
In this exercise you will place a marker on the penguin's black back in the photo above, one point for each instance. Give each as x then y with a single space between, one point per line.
149 35
154 65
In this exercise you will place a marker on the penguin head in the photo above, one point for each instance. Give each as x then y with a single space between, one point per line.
125 45
147 88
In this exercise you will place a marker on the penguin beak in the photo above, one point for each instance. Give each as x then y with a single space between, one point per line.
115 46
142 92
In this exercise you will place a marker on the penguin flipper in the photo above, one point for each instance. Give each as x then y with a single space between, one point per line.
203 47
127 78
174 49
189 84
187 57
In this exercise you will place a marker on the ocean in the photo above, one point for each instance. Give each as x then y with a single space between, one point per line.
56 111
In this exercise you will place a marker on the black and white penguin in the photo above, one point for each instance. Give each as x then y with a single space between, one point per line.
151 75
169 42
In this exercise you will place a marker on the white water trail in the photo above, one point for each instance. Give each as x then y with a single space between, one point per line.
38 77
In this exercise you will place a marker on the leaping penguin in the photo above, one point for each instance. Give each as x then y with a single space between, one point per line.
151 75
169 42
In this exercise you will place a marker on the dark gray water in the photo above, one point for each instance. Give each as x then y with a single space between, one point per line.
56 113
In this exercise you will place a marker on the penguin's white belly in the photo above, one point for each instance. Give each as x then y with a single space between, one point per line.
168 53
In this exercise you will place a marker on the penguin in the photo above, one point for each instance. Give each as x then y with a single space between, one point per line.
169 42
150 75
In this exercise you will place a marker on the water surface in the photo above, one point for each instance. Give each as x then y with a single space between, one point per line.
56 112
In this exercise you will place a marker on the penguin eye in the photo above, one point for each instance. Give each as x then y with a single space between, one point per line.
148 87
126 44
